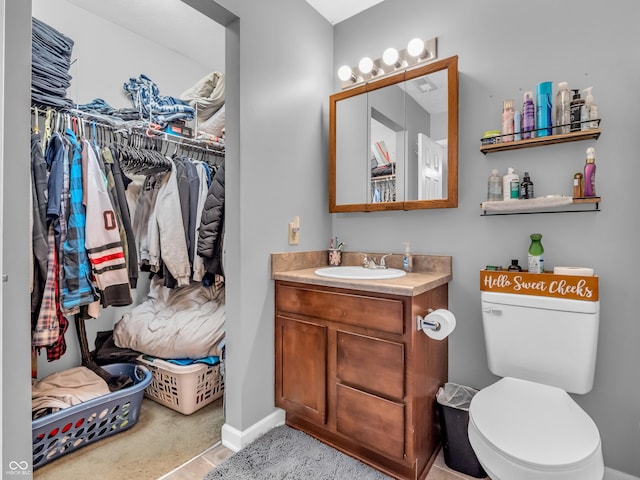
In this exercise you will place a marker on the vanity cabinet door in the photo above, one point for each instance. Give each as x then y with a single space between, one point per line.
301 363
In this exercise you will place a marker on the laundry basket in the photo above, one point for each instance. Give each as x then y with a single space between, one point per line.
183 388
71 428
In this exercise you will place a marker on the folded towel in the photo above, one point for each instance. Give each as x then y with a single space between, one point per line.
526 204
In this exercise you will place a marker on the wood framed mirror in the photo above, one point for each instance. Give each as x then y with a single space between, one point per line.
393 142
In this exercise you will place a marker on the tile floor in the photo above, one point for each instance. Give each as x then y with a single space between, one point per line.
196 468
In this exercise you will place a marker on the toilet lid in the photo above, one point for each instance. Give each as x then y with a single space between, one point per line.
534 424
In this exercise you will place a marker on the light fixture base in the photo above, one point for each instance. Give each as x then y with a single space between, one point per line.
405 62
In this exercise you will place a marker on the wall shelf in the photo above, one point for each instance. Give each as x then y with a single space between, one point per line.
594 133
526 207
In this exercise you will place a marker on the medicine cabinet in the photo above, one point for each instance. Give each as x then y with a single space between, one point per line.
393 142
584 204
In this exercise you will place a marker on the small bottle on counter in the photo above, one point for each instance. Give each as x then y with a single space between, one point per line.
578 185
514 267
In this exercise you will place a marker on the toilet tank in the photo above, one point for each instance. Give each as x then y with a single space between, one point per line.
541 339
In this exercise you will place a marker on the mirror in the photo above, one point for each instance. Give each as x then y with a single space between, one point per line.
393 142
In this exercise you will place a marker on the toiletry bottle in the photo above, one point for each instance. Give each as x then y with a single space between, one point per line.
590 173
536 254
515 189
494 187
576 110
589 112
507 121
514 267
578 185
507 180
563 108
526 187
517 125
528 116
407 260
544 104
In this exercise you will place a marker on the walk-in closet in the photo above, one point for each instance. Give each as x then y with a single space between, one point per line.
127 275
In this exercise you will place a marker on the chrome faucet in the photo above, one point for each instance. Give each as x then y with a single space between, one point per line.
382 261
368 262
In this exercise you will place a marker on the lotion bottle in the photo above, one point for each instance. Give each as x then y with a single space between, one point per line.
407 259
589 112
507 180
590 173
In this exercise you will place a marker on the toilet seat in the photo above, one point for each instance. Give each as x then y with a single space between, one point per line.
535 426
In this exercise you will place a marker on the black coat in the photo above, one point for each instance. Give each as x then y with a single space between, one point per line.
211 231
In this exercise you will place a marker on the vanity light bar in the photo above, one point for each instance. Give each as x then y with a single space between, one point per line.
392 61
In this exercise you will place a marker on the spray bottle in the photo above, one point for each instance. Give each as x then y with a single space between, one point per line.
528 116
407 260
563 108
590 173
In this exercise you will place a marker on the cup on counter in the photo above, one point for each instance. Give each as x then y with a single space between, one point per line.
335 257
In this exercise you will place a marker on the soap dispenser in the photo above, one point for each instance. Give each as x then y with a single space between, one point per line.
407 260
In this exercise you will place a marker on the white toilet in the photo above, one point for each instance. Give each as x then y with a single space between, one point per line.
526 426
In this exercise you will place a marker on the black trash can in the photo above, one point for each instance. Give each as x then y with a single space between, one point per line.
453 405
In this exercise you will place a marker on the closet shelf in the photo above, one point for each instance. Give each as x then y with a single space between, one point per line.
594 133
540 205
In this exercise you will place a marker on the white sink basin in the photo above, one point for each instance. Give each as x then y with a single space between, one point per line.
354 272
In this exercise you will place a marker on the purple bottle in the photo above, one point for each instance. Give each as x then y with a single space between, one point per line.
590 173
528 116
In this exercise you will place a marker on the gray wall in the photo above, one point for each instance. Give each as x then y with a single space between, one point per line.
502 53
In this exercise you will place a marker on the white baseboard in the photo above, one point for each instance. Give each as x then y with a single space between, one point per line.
235 439
611 474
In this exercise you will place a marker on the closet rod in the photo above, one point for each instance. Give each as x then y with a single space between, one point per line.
144 131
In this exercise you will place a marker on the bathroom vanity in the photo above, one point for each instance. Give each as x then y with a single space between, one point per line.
353 369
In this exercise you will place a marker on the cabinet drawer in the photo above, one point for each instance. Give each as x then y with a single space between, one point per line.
370 364
382 314
372 421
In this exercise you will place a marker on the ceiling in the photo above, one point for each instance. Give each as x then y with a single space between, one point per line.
190 29
338 10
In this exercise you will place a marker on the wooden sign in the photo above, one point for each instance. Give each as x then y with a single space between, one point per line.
574 287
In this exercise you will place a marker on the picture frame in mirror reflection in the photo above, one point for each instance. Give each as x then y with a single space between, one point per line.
394 141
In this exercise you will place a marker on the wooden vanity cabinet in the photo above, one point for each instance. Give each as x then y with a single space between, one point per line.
353 370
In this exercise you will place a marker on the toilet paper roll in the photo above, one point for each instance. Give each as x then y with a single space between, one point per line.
445 318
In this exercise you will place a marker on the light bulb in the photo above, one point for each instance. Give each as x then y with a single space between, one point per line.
390 56
365 65
345 73
415 47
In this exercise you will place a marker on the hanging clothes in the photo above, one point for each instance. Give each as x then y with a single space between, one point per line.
210 239
77 287
102 237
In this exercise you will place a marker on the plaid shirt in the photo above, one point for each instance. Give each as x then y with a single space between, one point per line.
77 288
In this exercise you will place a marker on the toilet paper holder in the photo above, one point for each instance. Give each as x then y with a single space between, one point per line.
422 322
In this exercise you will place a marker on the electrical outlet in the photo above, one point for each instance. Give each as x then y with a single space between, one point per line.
294 231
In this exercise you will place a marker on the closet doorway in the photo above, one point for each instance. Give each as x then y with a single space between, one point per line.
175 43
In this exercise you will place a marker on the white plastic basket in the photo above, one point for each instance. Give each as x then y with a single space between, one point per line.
184 388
